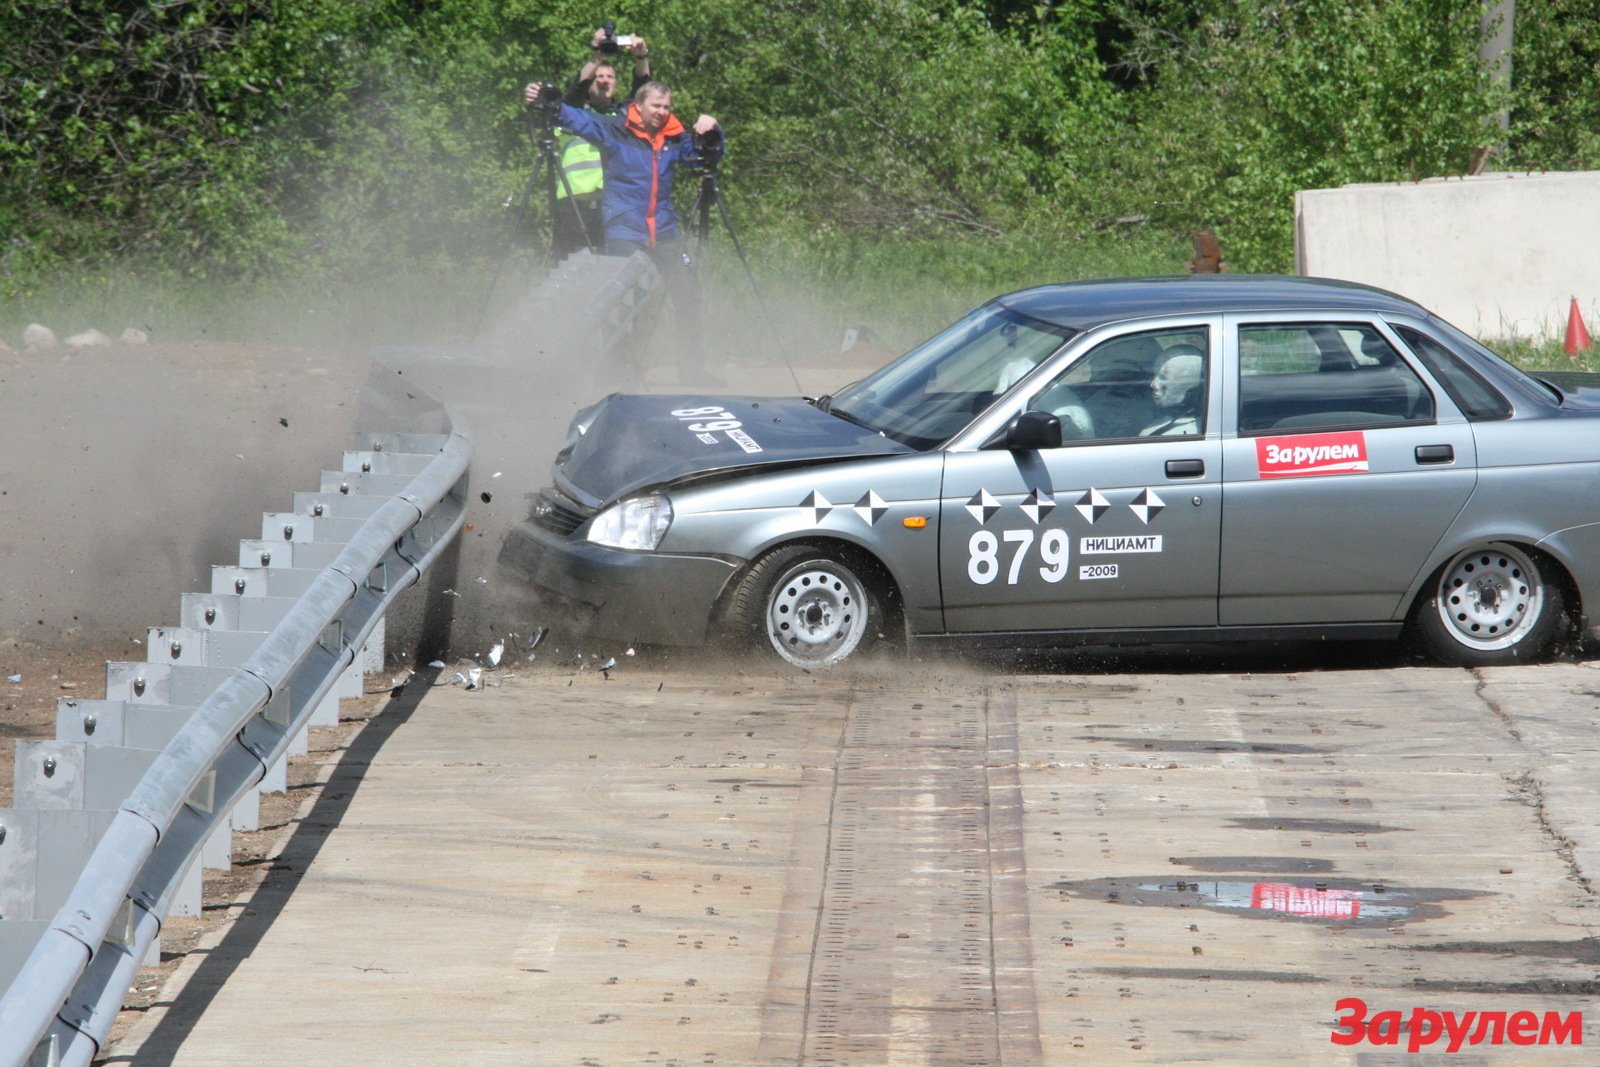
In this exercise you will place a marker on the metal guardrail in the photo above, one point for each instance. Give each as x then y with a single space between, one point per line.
62 1003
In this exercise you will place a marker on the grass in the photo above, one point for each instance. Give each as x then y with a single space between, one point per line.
1547 354
310 312
807 290
906 290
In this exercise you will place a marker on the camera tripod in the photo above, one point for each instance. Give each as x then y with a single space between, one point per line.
546 172
710 195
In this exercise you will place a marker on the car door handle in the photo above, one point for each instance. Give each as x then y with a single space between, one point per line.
1436 454
1185 468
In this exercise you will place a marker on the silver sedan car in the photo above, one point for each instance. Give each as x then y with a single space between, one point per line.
1172 459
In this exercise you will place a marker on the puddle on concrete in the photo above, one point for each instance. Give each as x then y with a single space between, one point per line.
1210 974
1338 901
1255 864
1187 744
759 783
1543 987
1312 826
1298 800
1584 951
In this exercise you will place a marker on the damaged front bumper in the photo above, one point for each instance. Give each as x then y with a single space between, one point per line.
649 597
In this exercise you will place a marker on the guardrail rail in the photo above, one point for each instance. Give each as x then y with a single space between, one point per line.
113 820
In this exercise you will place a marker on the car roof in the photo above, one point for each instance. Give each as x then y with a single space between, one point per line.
1083 305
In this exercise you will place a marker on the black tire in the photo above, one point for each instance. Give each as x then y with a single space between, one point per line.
809 605
1490 606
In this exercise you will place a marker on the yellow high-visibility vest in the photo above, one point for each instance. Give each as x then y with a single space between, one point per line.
580 162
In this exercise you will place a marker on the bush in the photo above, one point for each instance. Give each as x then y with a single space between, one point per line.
242 140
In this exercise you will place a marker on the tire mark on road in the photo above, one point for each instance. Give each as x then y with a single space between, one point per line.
920 943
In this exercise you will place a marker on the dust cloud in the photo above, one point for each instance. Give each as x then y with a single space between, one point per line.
515 388
128 471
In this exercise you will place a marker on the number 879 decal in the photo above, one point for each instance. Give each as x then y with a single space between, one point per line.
983 555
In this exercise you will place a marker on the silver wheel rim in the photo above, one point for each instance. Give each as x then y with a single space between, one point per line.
816 614
1490 598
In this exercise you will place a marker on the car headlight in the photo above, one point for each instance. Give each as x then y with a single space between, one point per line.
638 523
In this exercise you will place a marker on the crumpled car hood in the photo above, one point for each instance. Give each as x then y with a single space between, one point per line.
636 442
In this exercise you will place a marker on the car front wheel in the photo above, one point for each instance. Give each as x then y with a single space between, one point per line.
813 608
1490 606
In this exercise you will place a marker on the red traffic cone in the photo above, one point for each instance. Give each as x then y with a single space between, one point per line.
1577 339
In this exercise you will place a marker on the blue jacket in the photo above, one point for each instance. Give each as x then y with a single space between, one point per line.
637 200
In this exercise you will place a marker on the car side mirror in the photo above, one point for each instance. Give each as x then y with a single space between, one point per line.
1029 431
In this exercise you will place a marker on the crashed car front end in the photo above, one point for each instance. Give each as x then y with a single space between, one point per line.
597 571
595 554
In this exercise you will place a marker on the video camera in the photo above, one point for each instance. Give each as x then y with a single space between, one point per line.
611 41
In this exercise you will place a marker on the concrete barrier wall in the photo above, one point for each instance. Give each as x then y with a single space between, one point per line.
1498 255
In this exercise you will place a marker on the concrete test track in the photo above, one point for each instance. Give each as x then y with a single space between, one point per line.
925 863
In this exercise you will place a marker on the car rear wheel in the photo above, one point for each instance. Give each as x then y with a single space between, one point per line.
1490 606
812 607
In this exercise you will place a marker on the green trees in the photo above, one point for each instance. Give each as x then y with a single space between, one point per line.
244 138
150 129
899 118
1556 85
1251 100
236 138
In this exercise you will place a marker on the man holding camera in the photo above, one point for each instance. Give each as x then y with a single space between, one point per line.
596 84
640 149
595 87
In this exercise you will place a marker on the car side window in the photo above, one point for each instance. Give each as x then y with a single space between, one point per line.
1475 397
1309 377
1138 385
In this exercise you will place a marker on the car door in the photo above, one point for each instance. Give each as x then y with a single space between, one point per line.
1346 468
1118 528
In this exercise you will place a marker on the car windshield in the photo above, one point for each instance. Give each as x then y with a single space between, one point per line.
927 395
